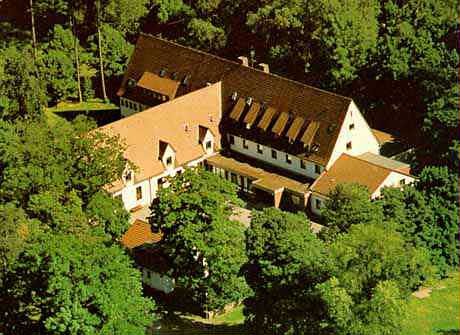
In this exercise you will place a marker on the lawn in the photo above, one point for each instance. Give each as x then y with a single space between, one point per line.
91 105
438 314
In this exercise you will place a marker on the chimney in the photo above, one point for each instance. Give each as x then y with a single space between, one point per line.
264 67
244 60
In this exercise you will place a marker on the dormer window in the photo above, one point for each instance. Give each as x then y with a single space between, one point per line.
129 176
208 145
169 160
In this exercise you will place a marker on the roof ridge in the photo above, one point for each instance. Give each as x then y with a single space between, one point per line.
248 67
179 98
377 165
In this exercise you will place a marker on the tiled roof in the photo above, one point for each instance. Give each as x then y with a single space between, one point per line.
152 54
162 85
382 137
385 162
139 234
176 123
349 169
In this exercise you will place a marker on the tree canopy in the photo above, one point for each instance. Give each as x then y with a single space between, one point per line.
204 247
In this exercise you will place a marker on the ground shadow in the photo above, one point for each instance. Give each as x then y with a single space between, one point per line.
177 324
448 332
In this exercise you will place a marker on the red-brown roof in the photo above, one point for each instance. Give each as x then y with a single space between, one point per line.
153 54
350 169
176 123
139 234
155 83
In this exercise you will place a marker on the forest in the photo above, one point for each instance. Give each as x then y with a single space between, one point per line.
63 270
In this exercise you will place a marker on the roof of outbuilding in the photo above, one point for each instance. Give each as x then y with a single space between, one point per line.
349 169
152 54
155 83
175 122
139 234
363 170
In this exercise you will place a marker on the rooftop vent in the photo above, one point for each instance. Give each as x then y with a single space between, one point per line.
314 147
234 96
249 101
244 60
162 73
131 83
174 75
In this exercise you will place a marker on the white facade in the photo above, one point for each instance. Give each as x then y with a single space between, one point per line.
355 136
149 187
129 107
274 157
316 203
157 281
394 179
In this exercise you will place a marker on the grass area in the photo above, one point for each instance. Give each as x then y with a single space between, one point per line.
438 314
91 105
233 317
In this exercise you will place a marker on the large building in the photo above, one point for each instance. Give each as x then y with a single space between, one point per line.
285 142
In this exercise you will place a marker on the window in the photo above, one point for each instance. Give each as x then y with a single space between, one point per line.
302 164
349 145
245 144
208 145
288 159
118 197
402 182
274 155
351 126
129 176
259 149
318 203
160 182
232 139
138 193
233 178
317 169
169 161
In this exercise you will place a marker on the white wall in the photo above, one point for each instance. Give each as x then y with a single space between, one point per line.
393 180
157 281
129 107
169 152
280 161
150 186
208 137
361 136
314 198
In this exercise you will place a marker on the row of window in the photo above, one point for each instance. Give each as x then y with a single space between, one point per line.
130 104
274 154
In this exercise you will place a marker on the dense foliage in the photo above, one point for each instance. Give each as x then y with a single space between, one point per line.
205 249
356 284
62 268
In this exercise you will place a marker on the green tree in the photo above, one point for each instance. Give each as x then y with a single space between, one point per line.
333 37
21 93
427 215
116 50
204 247
349 204
285 262
374 269
69 284
54 173
125 15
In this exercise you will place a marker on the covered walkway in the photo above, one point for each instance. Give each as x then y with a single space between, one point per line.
253 179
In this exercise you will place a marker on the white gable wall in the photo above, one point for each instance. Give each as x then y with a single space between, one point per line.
393 180
169 152
208 137
361 137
